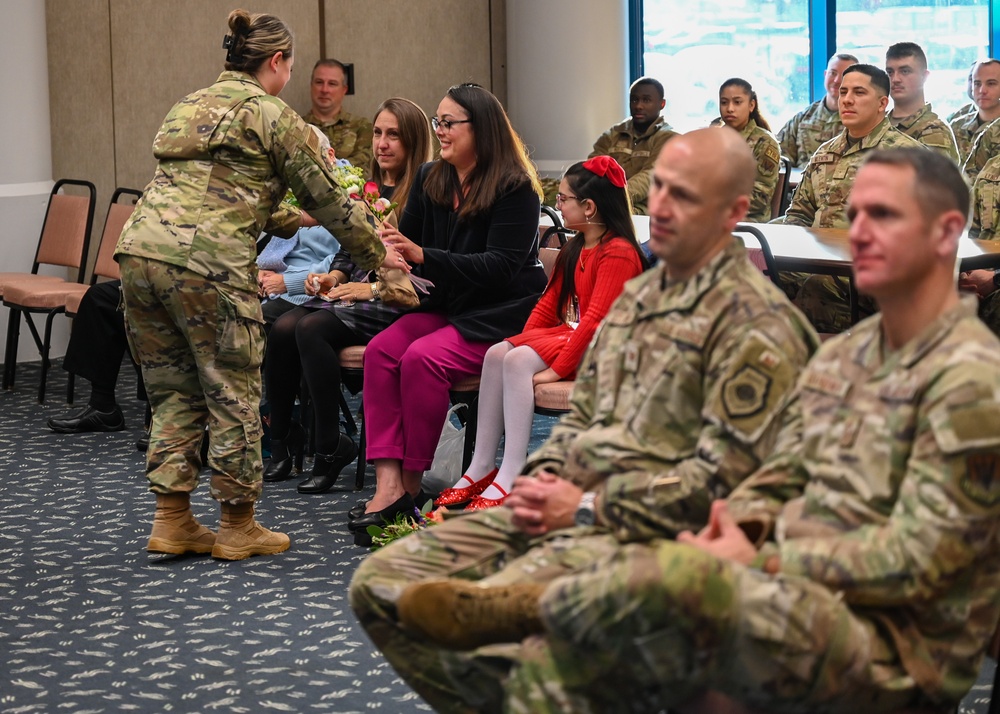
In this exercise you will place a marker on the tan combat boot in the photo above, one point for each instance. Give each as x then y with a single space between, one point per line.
461 615
240 536
175 529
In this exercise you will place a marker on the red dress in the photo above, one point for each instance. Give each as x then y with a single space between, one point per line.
601 272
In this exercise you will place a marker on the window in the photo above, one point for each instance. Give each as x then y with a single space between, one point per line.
692 47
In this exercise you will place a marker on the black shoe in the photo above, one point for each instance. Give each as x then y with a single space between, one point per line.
419 500
359 526
142 443
326 469
290 449
88 419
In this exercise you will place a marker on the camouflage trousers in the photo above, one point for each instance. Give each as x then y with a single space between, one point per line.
631 628
483 546
826 301
989 311
199 345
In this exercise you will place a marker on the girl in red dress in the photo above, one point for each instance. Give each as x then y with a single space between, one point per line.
588 276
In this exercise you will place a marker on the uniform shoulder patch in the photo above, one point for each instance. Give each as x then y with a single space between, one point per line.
981 479
745 393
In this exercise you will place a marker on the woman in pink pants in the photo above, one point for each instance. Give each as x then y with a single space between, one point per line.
470 226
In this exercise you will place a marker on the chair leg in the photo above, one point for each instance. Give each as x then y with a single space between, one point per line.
345 410
359 474
471 424
46 345
10 351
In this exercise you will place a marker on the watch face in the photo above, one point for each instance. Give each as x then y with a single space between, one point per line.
585 517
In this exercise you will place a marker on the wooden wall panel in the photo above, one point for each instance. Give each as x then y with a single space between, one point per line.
411 49
162 51
80 98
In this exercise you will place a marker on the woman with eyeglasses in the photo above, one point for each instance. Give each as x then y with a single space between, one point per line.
470 226
739 110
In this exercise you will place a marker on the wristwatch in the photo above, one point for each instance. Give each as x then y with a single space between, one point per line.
585 515
376 295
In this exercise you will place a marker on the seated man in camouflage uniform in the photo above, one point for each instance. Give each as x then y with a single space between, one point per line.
906 65
970 128
985 225
821 197
820 121
674 405
857 571
350 136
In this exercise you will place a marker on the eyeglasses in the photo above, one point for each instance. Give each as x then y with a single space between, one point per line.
447 124
562 198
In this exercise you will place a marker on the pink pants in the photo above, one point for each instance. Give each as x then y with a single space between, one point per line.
409 368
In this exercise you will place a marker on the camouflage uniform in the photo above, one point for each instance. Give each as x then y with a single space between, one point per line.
963 110
984 148
986 226
821 202
767 155
350 136
227 155
883 503
674 404
926 127
804 132
636 153
967 129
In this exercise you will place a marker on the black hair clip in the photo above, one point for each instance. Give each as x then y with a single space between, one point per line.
227 44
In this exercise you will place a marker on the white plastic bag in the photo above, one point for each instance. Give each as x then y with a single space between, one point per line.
446 468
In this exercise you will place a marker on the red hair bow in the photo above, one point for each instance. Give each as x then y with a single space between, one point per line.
608 168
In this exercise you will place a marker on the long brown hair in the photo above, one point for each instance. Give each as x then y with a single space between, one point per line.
415 136
255 39
615 209
502 161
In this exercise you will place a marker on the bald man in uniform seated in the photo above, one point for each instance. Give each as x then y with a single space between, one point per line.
857 571
673 405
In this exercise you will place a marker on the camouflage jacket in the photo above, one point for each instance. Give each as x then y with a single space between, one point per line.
636 153
227 155
927 127
676 400
967 128
804 132
885 488
986 202
961 111
767 155
821 198
349 135
985 146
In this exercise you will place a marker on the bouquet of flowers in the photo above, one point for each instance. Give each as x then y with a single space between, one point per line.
404 524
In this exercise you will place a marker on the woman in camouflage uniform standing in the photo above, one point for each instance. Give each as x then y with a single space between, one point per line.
227 154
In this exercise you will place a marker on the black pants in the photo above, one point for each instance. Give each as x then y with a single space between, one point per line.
97 341
305 342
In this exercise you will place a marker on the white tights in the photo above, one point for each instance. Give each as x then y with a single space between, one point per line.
506 407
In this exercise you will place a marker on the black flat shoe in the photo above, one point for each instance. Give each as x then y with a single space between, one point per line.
292 447
357 511
359 526
88 419
326 469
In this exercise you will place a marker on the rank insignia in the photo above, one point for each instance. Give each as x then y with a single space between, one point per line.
745 393
981 480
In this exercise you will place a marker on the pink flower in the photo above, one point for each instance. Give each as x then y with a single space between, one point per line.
371 187
356 196
382 204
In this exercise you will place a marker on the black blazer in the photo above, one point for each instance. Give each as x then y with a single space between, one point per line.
485 269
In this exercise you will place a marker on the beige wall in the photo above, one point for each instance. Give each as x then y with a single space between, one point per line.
117 66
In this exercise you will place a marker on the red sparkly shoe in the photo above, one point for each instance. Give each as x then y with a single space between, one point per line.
479 503
455 496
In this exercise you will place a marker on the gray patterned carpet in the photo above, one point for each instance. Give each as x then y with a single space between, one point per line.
90 623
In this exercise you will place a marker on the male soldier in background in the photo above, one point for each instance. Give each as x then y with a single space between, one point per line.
969 107
821 197
985 225
820 121
350 136
674 405
858 570
636 142
906 65
969 127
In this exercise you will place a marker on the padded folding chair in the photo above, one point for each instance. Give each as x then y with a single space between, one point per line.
782 197
64 241
760 255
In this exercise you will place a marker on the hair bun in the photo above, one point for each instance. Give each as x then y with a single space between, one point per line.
240 22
